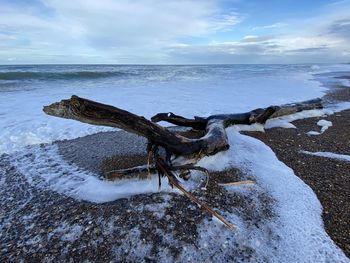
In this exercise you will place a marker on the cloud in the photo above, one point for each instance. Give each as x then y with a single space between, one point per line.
340 28
256 38
172 31
227 52
309 50
271 26
322 38
226 21
122 31
264 49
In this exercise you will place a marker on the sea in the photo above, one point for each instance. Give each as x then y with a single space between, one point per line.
295 231
188 90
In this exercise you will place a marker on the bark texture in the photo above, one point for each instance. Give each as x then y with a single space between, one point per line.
214 140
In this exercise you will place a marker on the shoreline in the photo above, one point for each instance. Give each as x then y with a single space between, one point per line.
66 227
328 178
278 139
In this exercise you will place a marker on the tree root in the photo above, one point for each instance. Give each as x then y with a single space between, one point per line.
164 170
151 169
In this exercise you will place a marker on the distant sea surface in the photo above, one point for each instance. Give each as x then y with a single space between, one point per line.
145 90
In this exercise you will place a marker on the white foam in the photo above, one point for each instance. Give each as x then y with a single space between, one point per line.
327 68
285 121
315 67
23 123
339 106
341 157
314 133
324 126
44 168
67 232
299 224
251 127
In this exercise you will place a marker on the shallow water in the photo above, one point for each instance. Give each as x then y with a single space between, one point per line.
295 233
145 90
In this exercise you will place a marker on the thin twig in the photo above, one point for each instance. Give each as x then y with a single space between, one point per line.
149 161
173 180
238 183
188 167
119 173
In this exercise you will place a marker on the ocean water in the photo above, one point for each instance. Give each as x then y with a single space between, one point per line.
146 90
185 90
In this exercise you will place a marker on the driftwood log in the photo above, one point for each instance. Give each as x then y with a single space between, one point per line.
213 141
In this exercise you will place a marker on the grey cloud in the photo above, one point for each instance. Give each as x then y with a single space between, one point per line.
309 50
131 31
149 31
257 39
236 52
202 56
340 28
270 51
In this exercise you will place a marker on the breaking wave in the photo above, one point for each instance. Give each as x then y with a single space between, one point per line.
36 75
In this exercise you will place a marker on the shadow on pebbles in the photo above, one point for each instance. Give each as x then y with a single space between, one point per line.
40 224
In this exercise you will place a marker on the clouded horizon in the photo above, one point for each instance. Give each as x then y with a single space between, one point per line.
174 32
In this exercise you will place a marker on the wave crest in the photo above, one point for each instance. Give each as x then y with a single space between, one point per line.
35 75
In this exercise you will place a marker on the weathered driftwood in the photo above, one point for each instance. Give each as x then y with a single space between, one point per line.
215 139
237 183
152 169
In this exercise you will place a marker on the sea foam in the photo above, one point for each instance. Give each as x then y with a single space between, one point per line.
144 90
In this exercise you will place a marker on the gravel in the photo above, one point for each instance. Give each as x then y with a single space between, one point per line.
329 178
42 225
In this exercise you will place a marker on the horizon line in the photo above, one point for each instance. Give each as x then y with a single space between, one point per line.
149 64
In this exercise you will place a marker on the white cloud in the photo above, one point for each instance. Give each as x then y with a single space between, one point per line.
155 31
122 31
271 26
323 38
251 38
266 49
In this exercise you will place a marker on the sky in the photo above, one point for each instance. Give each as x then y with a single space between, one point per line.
174 31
